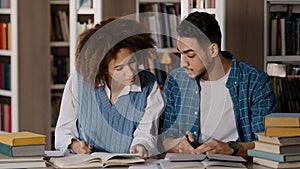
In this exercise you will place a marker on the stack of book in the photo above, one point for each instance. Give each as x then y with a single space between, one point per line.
279 146
19 149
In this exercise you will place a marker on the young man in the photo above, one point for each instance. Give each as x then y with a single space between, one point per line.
215 104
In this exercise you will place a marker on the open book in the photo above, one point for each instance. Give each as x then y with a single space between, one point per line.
96 159
174 160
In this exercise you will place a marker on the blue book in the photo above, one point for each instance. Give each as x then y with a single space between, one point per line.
274 157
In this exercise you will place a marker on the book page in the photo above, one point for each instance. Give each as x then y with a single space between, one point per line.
184 157
179 165
224 164
74 159
222 157
107 156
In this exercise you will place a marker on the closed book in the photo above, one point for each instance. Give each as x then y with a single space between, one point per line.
21 162
274 157
282 131
275 164
20 151
22 138
282 119
278 140
277 148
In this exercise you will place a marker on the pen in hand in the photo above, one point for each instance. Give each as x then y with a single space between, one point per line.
193 144
90 146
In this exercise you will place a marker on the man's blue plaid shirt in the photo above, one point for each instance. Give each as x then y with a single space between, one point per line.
251 91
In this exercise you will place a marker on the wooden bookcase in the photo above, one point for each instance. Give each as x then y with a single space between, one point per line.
28 58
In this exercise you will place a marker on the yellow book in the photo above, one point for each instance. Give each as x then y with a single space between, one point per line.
22 138
282 119
282 131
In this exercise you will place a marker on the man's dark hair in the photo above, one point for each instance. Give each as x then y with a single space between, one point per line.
198 25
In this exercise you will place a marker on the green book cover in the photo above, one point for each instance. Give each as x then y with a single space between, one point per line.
22 151
6 149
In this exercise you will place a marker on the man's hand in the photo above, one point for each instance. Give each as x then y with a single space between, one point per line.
214 146
80 147
140 150
180 145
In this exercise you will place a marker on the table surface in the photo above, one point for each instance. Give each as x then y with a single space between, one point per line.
249 165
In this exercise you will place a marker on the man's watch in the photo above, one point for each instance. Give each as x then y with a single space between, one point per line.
235 146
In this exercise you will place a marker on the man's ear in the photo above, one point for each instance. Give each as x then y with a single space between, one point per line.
214 50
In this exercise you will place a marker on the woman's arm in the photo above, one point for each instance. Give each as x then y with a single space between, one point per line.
66 128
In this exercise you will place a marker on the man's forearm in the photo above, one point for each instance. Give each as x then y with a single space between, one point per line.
244 147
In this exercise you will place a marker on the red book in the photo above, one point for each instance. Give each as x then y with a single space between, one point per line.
9 118
1 75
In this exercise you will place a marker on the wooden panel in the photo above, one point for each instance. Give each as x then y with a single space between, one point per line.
34 66
244 30
118 8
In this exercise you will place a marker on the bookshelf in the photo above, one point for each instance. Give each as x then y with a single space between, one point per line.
27 75
282 51
274 11
160 18
59 56
8 64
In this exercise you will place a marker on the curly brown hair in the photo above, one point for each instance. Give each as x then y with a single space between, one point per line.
99 45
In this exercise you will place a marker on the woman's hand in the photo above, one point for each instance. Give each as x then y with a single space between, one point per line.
140 150
80 147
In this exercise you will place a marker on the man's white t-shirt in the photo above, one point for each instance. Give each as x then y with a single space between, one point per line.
217 117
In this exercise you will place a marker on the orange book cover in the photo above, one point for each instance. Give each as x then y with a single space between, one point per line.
4 36
9 36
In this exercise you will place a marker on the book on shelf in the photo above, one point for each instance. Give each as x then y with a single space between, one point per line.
278 140
8 36
96 159
277 148
22 138
274 157
175 160
3 35
20 151
5 117
282 119
282 131
275 164
21 162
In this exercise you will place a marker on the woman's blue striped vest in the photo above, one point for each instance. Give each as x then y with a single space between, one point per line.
109 127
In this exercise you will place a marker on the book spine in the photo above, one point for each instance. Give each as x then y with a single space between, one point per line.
6 149
265 155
